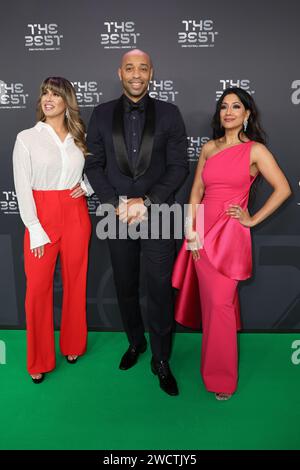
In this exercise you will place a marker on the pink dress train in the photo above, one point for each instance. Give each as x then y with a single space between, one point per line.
208 287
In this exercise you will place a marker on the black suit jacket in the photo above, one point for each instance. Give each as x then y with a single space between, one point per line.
162 162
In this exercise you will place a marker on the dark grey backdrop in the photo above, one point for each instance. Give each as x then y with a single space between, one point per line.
198 48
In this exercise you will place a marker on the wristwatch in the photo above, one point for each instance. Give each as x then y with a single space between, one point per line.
147 202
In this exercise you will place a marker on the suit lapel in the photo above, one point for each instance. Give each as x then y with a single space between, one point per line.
145 152
146 146
119 139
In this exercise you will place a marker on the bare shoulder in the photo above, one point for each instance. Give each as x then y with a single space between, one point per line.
258 147
208 148
259 150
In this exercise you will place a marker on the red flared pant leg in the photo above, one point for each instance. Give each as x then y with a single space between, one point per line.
69 225
74 261
39 307
219 304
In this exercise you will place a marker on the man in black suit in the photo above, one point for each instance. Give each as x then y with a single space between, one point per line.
138 149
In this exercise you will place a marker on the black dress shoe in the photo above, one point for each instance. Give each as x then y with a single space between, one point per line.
131 356
38 381
167 380
71 361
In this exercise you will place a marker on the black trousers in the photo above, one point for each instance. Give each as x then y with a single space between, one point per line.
158 256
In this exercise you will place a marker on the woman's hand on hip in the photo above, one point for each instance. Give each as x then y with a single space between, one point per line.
236 212
77 191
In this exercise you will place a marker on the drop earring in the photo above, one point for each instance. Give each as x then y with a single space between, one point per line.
245 125
67 113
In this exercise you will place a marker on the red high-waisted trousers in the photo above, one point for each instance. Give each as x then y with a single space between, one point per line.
67 223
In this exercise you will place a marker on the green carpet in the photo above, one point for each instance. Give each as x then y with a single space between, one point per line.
94 405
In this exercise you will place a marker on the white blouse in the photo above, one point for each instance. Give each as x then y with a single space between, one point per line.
41 161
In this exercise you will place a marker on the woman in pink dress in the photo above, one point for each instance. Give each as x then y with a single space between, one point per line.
213 265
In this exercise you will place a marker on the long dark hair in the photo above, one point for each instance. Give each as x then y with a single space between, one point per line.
254 129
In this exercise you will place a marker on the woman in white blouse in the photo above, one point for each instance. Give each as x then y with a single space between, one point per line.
48 162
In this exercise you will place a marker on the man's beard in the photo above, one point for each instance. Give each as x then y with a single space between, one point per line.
133 94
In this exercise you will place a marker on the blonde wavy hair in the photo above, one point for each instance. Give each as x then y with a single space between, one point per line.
73 121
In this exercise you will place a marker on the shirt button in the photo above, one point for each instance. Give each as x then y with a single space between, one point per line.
134 134
134 150
133 117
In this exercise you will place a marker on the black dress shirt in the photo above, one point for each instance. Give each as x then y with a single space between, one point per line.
134 121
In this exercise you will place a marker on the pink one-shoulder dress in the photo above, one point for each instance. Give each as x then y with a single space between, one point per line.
208 287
